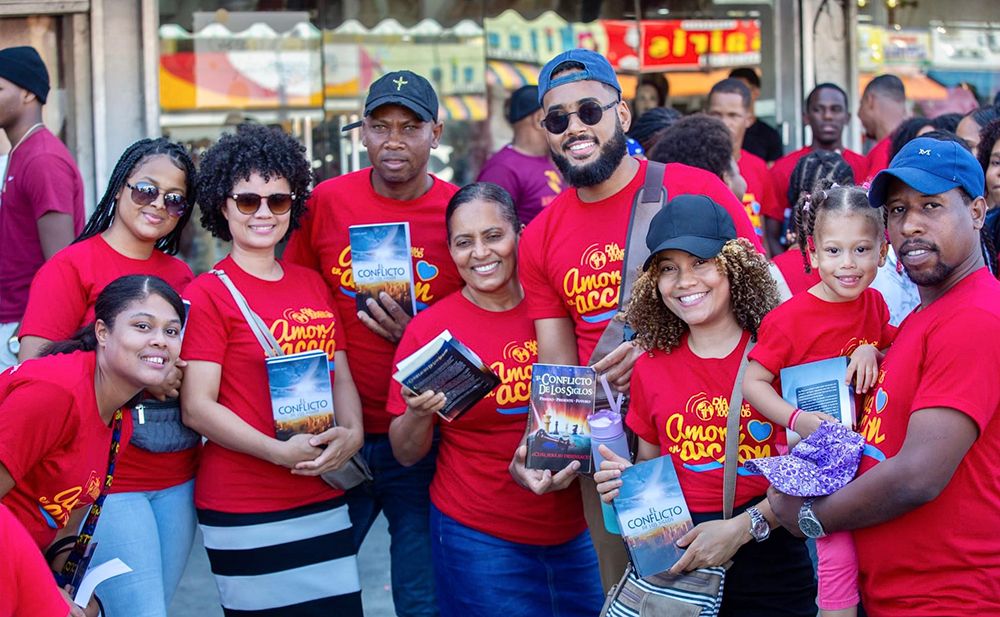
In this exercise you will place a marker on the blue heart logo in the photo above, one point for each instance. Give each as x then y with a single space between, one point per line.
426 271
881 400
759 430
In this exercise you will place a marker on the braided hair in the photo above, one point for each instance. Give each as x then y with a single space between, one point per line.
828 200
135 155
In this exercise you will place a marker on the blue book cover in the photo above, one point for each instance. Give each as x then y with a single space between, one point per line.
380 261
652 515
301 393
561 399
820 386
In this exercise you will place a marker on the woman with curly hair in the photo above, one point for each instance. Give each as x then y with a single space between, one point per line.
278 537
699 301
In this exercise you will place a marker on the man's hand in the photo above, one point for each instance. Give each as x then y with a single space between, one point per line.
617 365
540 481
388 322
786 510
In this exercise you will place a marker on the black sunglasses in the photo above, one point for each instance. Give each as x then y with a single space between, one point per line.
145 193
277 203
590 113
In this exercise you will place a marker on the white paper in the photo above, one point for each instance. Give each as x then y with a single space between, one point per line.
96 576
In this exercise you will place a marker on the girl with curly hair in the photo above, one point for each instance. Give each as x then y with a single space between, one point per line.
278 537
699 301
148 520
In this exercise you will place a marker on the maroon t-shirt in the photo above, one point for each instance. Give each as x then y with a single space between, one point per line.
533 181
41 178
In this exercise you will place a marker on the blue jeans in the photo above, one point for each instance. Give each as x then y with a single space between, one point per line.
402 493
152 533
483 576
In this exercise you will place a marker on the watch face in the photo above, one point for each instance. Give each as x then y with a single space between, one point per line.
760 529
810 527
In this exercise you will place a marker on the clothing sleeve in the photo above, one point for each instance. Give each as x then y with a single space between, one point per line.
639 417
33 420
206 332
543 300
299 249
57 302
773 344
958 369
412 340
25 578
50 183
720 193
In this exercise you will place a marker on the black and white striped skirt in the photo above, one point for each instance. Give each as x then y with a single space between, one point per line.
294 563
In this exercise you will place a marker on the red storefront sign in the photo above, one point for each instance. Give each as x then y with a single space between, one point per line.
683 43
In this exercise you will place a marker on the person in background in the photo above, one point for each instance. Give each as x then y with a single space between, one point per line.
988 153
973 122
399 129
523 167
908 130
947 122
651 91
881 110
41 191
649 128
507 555
730 101
148 520
760 139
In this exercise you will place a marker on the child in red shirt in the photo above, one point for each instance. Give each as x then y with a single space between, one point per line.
843 238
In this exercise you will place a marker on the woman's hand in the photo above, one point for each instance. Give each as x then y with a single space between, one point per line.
93 608
540 481
608 479
425 404
863 368
298 449
341 444
171 386
712 543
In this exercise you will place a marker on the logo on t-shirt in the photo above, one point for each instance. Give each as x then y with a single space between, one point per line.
514 370
591 288
752 206
56 510
305 329
855 342
698 434
423 273
870 426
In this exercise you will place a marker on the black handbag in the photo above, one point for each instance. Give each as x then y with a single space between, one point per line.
157 427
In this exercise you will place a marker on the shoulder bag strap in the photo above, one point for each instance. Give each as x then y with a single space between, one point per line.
257 325
733 437
647 202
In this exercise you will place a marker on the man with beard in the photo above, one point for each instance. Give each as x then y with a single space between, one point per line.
881 110
399 129
826 114
926 501
571 254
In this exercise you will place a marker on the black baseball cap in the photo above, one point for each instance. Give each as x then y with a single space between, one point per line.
523 102
404 88
690 223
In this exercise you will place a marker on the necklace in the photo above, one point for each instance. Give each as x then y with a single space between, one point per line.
10 155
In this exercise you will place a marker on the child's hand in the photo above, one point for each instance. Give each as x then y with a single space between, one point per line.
863 368
808 421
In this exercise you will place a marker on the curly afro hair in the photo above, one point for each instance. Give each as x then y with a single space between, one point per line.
988 137
753 294
270 152
698 140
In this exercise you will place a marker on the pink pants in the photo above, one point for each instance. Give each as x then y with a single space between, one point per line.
837 571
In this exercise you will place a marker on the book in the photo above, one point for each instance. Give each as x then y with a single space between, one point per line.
380 261
820 386
652 515
301 393
446 365
96 576
561 399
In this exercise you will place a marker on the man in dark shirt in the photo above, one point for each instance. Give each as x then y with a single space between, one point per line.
760 139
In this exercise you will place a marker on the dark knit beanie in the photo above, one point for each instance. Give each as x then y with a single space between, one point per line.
23 67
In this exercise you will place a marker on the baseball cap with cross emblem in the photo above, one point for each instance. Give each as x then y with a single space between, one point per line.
404 88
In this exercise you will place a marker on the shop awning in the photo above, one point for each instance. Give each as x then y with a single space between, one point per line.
918 87
681 83
511 75
985 82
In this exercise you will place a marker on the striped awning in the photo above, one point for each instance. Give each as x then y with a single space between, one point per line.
511 75
467 107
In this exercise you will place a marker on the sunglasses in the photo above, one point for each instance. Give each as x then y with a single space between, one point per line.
590 113
277 203
144 193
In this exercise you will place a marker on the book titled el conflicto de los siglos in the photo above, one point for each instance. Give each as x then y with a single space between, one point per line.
301 393
380 261
561 399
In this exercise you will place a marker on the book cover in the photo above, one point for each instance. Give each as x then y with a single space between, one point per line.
561 399
820 386
301 393
652 515
446 365
380 261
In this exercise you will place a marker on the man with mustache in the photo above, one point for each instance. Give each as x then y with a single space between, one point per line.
572 252
399 129
925 504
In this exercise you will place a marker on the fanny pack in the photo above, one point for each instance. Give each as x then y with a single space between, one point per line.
157 427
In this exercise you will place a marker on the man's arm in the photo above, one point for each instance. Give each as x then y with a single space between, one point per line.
55 231
556 341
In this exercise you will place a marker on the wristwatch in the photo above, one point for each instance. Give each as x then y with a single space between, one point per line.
808 523
759 528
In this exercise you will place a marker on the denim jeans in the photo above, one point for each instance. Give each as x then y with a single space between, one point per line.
402 493
152 533
483 576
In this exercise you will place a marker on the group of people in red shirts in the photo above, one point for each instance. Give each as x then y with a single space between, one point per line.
473 530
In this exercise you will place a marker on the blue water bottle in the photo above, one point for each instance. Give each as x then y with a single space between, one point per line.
606 429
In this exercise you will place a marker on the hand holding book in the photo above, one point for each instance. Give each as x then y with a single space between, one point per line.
338 445
863 368
292 451
389 322
425 404
540 481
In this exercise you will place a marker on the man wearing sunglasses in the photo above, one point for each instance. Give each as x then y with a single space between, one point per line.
399 130
41 191
572 253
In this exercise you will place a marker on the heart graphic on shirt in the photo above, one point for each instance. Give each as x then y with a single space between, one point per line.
881 399
426 271
759 430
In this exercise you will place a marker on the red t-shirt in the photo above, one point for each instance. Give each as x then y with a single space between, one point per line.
759 200
41 178
55 444
877 159
942 558
781 172
793 268
62 300
301 315
571 254
323 244
27 588
472 475
680 402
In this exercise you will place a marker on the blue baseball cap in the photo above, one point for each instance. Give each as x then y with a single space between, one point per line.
595 68
930 166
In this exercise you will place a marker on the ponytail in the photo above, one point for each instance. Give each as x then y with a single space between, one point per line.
84 339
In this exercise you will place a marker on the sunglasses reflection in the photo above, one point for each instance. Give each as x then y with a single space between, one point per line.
589 112
277 203
145 193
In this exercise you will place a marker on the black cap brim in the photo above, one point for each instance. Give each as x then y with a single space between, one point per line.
393 99
705 248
